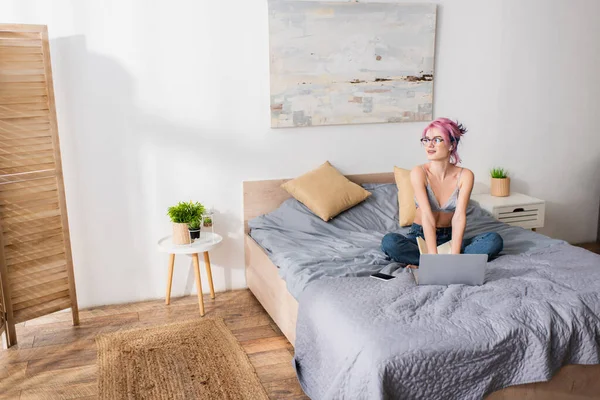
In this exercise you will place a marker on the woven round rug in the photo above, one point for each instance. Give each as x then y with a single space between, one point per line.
199 359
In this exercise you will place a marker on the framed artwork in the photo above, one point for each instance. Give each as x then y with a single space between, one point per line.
337 63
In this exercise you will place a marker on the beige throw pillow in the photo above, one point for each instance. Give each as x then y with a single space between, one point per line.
406 197
325 191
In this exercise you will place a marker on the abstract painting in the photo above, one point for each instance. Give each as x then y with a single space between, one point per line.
350 63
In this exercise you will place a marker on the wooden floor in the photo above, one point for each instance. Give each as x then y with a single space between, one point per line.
595 247
55 360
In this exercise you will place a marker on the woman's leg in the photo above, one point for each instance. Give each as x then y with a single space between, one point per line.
400 248
489 243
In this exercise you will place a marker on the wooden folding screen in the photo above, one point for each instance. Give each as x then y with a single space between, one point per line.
36 269
3 314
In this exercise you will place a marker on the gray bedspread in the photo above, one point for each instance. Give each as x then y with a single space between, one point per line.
360 338
305 248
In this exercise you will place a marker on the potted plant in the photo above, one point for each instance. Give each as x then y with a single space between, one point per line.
194 228
207 222
186 217
500 185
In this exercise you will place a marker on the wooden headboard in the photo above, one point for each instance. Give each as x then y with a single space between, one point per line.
261 197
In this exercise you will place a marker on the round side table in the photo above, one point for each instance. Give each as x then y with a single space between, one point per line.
204 244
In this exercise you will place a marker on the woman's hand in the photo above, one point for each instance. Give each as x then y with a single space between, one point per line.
411 266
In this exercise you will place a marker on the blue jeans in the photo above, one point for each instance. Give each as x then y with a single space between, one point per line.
404 249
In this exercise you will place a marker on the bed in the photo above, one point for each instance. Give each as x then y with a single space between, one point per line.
261 197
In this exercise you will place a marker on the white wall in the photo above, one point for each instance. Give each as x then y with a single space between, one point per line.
164 101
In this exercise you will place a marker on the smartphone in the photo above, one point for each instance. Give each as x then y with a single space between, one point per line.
383 277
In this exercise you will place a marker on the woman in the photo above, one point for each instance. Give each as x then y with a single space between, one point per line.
442 192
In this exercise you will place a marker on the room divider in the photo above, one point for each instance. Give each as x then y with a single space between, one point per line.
36 267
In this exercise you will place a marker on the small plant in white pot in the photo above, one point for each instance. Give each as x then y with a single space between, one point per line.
186 217
500 186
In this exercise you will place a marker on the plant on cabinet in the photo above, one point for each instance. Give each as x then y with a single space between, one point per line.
500 185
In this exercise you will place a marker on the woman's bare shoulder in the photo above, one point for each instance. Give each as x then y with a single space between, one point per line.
465 170
418 171
466 174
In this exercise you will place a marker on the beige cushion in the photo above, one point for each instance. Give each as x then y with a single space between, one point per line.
406 197
325 191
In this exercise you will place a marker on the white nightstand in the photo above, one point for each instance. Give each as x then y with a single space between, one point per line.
205 243
516 209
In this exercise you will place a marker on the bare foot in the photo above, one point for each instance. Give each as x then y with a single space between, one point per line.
411 266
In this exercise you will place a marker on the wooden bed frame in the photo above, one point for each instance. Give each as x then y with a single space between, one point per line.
574 382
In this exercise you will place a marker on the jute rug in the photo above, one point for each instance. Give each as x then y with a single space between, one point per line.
189 360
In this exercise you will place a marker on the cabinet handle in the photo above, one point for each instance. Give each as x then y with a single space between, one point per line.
520 209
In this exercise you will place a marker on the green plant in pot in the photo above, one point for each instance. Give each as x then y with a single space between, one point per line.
500 185
207 222
194 228
186 217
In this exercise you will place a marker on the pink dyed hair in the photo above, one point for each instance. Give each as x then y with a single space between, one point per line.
451 132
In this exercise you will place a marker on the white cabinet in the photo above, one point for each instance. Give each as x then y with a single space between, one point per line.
516 209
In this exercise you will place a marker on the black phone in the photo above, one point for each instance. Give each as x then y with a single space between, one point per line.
383 277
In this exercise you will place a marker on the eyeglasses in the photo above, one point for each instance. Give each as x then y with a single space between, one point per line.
436 140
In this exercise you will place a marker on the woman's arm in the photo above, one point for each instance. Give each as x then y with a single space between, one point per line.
417 178
459 220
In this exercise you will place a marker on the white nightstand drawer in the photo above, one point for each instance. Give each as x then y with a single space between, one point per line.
528 216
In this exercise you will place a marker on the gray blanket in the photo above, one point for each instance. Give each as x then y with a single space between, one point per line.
305 248
360 338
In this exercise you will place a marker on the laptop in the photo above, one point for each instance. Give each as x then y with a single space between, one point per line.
448 269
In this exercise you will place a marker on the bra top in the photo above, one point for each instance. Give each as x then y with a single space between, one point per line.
450 205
